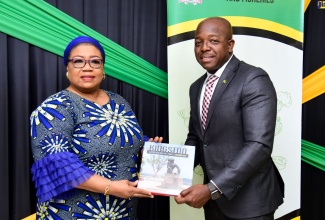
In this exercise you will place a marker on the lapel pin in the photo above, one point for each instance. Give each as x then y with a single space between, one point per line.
224 81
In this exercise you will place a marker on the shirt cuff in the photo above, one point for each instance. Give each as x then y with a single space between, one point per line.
216 186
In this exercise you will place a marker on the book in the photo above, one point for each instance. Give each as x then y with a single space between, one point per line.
166 169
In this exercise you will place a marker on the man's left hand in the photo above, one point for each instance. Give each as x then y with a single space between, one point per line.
195 196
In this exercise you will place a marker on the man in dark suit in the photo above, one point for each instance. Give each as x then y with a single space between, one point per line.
234 135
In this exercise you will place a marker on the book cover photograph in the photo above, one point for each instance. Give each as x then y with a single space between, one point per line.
166 169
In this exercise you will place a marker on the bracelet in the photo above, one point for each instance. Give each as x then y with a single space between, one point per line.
107 187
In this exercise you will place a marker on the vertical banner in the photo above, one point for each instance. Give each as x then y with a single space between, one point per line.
267 34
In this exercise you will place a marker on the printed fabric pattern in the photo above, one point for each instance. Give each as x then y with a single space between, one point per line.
72 139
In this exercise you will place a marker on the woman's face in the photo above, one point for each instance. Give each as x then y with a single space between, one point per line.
86 78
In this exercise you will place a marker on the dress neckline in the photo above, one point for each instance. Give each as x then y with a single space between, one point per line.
76 94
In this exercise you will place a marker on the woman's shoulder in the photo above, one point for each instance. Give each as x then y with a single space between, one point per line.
57 98
60 96
57 105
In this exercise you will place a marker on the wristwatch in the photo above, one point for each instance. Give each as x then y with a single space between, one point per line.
215 193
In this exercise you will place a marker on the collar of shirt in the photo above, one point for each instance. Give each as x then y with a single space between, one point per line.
217 73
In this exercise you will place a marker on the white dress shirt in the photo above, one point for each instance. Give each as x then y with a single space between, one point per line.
218 74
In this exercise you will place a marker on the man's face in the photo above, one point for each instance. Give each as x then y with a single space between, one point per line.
213 47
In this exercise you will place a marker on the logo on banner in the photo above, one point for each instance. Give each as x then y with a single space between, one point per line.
194 2
321 4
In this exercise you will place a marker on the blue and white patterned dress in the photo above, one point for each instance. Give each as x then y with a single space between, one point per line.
73 138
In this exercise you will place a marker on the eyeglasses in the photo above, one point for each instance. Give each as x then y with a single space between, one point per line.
80 63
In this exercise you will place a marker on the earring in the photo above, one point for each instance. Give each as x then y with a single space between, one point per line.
67 75
104 76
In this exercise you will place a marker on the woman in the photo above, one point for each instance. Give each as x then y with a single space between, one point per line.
86 143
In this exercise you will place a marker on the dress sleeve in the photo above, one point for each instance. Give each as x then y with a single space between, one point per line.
145 138
57 169
58 173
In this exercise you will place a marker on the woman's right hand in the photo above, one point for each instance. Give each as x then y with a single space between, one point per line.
121 188
127 189
156 139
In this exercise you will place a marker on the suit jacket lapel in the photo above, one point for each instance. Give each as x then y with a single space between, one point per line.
197 109
222 84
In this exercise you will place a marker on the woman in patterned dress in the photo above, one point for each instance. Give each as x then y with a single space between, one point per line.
86 143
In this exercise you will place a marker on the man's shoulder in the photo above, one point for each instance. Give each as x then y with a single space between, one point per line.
240 64
199 81
249 69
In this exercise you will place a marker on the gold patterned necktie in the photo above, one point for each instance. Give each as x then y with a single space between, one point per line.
206 99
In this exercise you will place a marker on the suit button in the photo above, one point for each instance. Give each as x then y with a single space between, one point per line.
205 145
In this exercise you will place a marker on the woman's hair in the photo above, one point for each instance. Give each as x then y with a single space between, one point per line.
82 40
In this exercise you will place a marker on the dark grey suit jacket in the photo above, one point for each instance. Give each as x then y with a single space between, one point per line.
235 150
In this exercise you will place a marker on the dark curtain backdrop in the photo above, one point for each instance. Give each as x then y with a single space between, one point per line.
30 74
313 115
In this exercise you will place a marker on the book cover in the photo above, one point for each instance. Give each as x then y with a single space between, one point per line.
166 169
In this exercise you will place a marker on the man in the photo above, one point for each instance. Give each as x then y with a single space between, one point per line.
233 134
